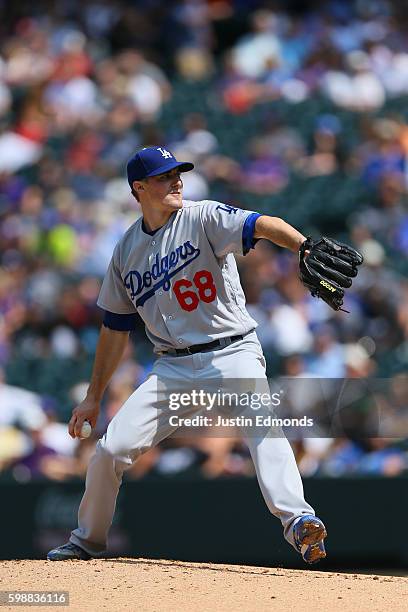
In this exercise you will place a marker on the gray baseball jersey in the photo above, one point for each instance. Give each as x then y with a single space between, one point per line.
183 280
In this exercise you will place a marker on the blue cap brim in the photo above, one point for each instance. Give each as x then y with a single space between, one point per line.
182 166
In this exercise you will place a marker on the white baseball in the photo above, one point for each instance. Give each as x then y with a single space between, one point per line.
86 430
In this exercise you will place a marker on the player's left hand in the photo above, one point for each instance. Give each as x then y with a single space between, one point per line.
327 267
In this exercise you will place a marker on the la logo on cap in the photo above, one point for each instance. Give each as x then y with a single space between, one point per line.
166 154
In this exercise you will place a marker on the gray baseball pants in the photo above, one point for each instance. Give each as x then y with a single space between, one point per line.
143 421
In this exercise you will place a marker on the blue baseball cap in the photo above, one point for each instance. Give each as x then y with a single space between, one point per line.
152 161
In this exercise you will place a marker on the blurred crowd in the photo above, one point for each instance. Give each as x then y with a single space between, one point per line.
296 109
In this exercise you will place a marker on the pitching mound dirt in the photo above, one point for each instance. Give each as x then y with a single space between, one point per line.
142 584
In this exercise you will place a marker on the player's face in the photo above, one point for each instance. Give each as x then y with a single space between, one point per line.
165 190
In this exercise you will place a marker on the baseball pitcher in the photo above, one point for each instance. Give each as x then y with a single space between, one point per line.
175 268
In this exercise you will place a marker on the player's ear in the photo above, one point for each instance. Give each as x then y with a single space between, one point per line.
138 186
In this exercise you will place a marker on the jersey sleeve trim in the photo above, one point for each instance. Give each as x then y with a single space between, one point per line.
120 322
248 240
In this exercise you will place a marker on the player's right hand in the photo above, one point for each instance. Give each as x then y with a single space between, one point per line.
87 410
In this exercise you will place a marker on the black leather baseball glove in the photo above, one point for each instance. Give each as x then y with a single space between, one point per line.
327 267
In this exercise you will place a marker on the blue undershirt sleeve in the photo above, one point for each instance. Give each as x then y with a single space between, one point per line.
120 322
248 240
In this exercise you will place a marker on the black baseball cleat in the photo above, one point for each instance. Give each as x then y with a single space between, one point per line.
68 551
